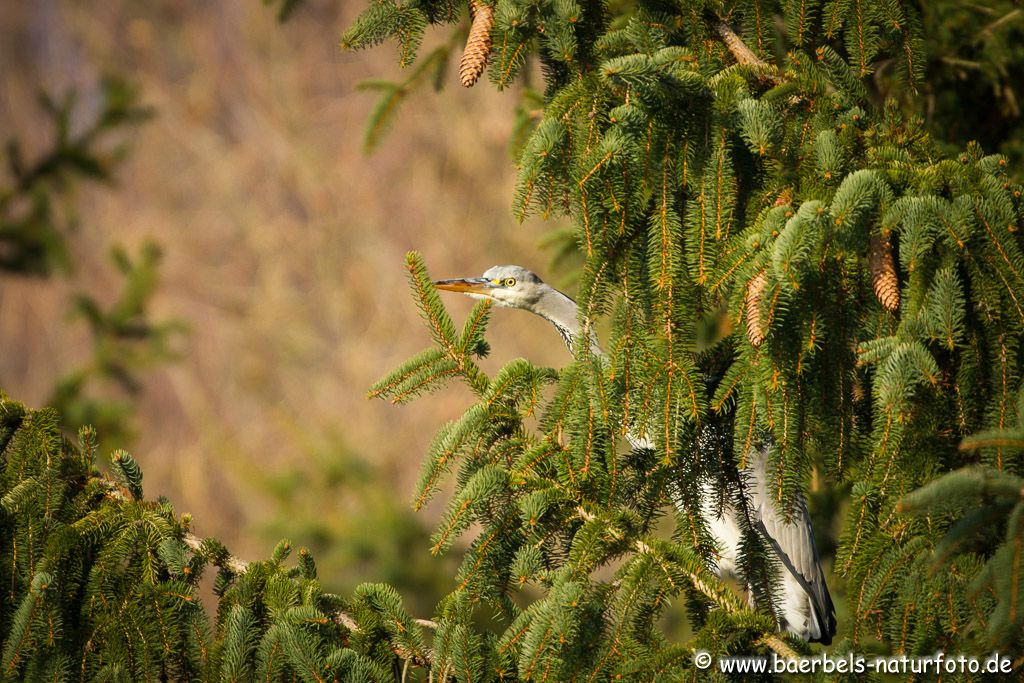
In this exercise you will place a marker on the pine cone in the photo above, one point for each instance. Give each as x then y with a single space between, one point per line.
478 45
755 328
883 273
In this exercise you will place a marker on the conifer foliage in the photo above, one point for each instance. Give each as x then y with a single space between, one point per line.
101 585
734 160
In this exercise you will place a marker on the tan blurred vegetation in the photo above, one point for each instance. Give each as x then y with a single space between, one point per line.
283 252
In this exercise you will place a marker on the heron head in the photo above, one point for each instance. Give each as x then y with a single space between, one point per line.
511 286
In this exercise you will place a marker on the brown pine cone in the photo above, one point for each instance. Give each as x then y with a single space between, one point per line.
883 272
478 45
756 332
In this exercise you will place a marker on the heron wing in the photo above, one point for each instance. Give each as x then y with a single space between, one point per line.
793 541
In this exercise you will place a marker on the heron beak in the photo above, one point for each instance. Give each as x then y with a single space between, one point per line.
471 285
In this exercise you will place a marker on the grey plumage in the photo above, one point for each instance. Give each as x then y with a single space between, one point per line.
806 608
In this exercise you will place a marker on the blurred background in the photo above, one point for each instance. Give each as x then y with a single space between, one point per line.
280 296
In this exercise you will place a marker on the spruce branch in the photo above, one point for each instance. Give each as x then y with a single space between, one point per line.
239 566
702 581
236 565
478 44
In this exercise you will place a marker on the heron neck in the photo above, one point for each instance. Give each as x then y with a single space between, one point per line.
563 313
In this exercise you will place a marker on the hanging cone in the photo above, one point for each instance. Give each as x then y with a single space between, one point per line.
883 273
752 301
478 45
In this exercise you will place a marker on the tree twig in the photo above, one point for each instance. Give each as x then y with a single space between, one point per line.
739 49
233 563
735 45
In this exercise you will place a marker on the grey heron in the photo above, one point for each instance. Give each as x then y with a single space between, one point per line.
806 608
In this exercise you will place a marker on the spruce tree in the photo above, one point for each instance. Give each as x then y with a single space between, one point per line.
779 244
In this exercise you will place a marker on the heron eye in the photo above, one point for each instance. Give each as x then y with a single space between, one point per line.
510 282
